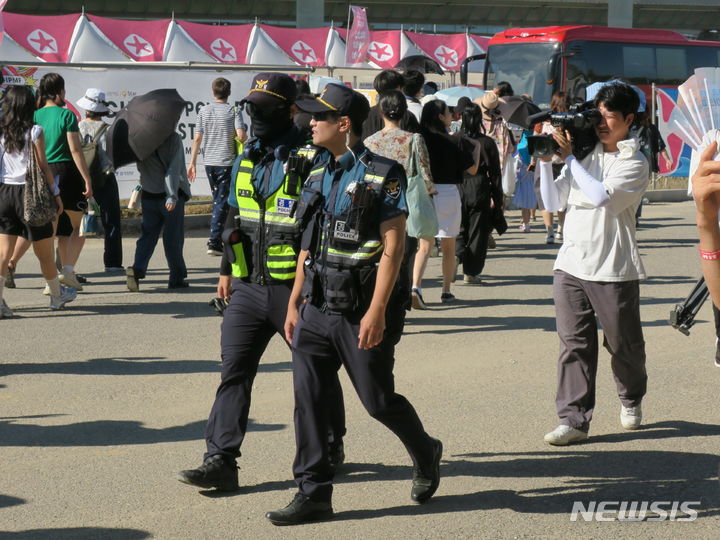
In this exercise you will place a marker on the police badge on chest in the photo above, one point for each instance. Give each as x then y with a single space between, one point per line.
343 232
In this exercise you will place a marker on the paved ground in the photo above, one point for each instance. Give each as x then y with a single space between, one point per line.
100 405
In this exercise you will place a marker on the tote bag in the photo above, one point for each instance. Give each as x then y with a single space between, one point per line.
39 203
422 220
509 176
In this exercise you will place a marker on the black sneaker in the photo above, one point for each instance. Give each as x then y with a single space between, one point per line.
301 510
447 297
426 482
215 250
216 472
336 455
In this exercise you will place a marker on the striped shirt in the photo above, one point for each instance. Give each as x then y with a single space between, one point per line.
217 122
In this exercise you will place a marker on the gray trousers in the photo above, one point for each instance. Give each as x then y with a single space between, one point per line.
617 306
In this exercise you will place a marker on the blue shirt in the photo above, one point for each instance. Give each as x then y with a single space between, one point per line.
348 169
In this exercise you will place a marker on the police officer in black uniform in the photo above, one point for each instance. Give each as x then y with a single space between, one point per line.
347 305
261 243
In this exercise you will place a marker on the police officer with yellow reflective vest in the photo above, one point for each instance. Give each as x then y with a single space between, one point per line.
261 242
348 305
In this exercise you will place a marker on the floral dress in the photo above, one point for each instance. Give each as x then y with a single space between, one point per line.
396 144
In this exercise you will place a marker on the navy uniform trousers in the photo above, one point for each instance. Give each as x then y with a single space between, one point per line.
321 343
255 314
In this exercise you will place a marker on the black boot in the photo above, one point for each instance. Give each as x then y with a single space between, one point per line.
427 479
301 510
336 455
216 472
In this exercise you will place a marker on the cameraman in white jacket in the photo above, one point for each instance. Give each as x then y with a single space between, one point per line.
598 268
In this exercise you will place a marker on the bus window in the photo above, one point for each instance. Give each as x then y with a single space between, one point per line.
526 66
702 57
671 64
592 61
638 64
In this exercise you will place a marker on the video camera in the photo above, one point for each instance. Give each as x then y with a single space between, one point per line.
580 122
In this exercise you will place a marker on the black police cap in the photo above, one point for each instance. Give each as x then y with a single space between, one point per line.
272 89
339 99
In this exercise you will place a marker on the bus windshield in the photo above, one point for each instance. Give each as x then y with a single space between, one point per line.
526 66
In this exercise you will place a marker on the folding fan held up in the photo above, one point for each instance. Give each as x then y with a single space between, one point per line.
696 119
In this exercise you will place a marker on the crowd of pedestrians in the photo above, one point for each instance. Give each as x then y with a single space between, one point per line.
324 220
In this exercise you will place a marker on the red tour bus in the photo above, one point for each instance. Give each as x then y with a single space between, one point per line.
540 61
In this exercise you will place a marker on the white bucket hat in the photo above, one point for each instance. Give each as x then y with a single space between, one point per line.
93 101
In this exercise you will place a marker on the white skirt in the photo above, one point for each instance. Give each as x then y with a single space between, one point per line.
448 209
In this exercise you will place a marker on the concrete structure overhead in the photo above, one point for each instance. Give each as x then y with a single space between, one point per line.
423 14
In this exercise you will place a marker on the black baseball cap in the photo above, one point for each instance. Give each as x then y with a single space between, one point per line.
272 89
339 99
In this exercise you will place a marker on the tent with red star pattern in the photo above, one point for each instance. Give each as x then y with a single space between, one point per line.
88 38
142 41
48 38
227 44
447 50
305 46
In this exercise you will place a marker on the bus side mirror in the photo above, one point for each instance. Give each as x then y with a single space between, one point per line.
466 63
553 64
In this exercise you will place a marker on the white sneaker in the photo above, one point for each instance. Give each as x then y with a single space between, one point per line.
133 283
47 291
70 279
563 435
67 295
631 417
559 236
550 238
472 280
5 311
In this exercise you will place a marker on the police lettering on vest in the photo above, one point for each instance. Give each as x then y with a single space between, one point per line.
265 240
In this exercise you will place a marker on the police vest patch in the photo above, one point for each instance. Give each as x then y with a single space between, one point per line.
244 193
285 206
344 232
392 188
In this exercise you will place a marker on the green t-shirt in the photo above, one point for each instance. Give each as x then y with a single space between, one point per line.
56 123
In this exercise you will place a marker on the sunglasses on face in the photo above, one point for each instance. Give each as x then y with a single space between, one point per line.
325 116
265 112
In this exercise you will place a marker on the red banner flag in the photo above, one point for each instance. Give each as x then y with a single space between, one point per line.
358 39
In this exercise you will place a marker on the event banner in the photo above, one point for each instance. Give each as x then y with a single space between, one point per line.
358 38
122 84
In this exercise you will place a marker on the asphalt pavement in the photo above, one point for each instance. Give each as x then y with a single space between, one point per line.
102 404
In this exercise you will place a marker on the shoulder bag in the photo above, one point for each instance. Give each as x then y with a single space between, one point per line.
422 220
39 203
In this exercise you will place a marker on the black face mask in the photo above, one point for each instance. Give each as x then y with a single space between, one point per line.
268 122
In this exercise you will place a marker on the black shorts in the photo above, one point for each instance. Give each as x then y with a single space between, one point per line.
71 185
11 215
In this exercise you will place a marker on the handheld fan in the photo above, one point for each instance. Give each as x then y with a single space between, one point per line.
696 119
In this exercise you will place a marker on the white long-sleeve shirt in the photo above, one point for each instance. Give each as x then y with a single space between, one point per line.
599 233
